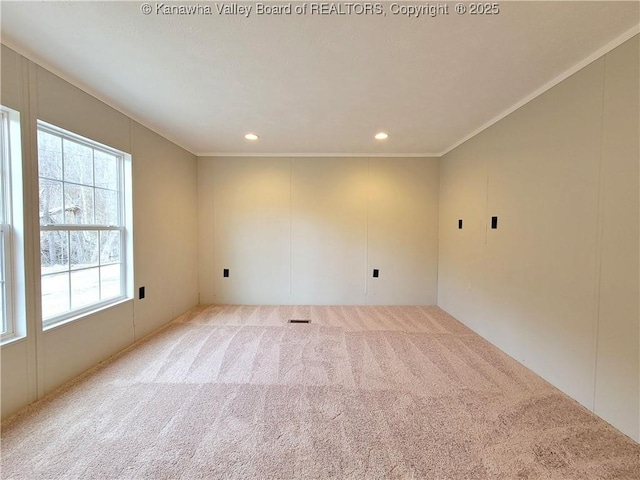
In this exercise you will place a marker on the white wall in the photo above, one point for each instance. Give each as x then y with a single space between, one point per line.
310 230
403 231
617 392
556 285
165 235
165 209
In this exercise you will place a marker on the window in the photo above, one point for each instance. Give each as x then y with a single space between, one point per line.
6 264
12 270
82 224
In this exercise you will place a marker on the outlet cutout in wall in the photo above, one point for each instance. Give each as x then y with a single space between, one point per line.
225 272
376 273
460 224
494 222
141 293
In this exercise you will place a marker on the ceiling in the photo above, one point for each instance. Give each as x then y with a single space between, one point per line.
314 84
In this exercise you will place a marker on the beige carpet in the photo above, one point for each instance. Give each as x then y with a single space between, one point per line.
360 393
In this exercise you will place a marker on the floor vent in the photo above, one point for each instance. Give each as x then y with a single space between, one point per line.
298 321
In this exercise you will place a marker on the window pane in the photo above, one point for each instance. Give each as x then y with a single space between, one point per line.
85 288
106 170
55 295
106 207
110 281
83 248
3 173
54 251
49 155
109 247
51 208
78 163
78 202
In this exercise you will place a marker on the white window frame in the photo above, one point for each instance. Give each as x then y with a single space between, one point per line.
123 227
6 230
12 230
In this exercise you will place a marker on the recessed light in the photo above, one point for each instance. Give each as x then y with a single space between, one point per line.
381 136
251 136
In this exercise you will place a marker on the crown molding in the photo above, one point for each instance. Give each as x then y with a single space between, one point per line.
635 30
602 51
345 155
42 63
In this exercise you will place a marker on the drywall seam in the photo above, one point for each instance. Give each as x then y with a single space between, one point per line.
33 329
486 208
214 284
290 224
133 181
366 245
599 235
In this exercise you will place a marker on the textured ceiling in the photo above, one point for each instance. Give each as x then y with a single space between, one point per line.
312 84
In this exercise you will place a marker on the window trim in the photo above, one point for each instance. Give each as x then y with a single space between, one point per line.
12 228
123 226
6 265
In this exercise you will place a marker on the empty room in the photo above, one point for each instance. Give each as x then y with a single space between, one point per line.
313 240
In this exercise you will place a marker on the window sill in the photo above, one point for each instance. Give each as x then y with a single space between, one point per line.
80 316
12 340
